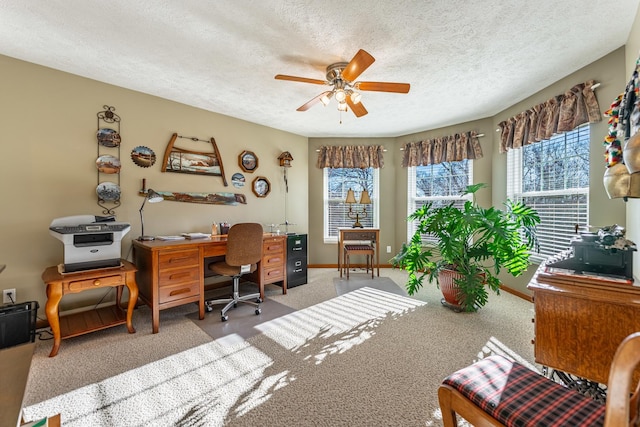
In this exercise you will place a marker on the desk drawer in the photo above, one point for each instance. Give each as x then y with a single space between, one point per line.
269 261
178 291
275 274
80 285
175 259
273 246
178 275
359 235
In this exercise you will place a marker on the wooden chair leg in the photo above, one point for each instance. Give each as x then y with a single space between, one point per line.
449 418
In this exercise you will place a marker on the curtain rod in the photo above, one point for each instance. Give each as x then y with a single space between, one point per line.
480 135
384 150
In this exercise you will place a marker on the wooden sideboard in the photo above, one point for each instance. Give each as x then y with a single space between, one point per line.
172 273
581 320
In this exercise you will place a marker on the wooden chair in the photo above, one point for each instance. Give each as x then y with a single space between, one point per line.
361 249
244 251
498 392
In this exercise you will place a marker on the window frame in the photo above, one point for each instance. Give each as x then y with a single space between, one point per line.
374 209
413 199
554 237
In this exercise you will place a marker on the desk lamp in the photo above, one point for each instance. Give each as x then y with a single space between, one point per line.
351 200
153 197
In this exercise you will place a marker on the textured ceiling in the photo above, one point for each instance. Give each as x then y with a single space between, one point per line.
465 60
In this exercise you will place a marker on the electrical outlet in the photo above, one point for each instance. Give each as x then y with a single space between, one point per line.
5 296
388 249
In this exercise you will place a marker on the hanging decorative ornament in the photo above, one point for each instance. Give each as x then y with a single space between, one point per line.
285 161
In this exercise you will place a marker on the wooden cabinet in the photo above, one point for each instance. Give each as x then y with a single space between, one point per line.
581 321
272 268
169 276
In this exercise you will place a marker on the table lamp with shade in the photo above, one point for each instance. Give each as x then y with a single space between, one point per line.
152 197
351 200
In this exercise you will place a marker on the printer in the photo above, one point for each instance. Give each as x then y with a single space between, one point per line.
90 242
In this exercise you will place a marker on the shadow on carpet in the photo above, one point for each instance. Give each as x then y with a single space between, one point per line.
357 281
242 319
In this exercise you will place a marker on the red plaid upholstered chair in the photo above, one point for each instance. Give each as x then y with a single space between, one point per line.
498 392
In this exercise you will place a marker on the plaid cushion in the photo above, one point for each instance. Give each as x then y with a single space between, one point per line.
517 396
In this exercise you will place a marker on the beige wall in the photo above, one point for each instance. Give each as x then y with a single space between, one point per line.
633 205
491 169
323 254
609 72
49 125
49 149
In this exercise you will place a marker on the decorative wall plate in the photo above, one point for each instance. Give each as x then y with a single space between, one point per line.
143 156
108 191
261 186
108 164
248 161
237 180
108 137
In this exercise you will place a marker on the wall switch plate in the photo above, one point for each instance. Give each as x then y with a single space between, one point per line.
5 296
388 249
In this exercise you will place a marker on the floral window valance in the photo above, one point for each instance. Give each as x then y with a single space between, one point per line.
349 156
561 113
452 148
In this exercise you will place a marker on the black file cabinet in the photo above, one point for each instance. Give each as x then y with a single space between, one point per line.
296 260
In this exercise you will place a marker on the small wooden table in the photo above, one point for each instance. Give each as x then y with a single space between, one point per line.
358 234
59 284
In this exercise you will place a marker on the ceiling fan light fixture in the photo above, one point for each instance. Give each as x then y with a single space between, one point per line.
340 95
342 106
325 99
356 97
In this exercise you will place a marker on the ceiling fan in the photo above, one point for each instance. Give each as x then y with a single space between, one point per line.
341 76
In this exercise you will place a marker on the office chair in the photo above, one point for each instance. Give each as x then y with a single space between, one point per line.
244 251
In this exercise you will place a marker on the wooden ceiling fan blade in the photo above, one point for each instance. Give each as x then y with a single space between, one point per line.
300 79
313 101
358 109
384 87
360 62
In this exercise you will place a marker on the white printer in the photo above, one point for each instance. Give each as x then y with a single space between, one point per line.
90 241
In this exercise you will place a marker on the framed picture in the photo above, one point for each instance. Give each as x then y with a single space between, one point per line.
261 186
248 161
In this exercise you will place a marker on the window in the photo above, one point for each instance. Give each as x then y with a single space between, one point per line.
440 184
337 181
552 176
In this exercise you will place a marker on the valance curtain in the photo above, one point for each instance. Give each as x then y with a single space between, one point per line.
561 113
349 156
452 148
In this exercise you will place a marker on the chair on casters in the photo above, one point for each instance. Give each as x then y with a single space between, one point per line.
244 251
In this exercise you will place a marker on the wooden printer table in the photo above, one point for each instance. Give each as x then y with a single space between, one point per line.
84 322
581 320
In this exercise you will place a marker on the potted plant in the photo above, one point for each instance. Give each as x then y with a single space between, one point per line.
471 243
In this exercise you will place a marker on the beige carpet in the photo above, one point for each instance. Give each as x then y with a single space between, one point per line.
367 357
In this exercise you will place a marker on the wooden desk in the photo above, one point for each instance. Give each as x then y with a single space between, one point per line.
581 321
171 273
358 234
84 322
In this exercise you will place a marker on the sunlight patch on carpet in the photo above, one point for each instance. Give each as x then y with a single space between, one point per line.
336 325
228 377
195 387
